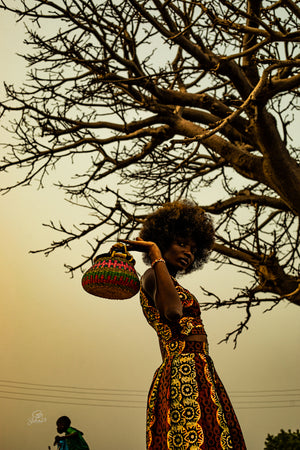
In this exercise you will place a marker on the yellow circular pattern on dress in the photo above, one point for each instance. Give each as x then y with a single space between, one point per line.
185 432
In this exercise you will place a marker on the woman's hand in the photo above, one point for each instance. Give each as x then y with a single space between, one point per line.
157 281
140 245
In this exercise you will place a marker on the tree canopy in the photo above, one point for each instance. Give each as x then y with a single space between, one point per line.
150 101
285 440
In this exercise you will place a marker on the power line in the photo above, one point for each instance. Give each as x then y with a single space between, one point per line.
264 395
90 391
71 387
127 400
71 398
135 406
139 392
267 407
266 390
107 397
71 403
263 401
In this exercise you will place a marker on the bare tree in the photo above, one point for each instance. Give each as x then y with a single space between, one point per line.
176 99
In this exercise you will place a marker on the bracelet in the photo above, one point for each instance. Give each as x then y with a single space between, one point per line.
156 261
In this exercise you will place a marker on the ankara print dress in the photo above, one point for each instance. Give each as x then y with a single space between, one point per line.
188 407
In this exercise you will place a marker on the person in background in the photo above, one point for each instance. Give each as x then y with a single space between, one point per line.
72 440
188 407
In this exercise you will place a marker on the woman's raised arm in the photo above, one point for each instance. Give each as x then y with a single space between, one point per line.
157 281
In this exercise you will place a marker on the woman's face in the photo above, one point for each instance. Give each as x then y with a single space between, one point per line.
181 254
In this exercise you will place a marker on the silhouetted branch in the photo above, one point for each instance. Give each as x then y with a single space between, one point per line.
148 104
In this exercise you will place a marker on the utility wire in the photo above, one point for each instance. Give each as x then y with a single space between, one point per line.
106 397
71 398
71 387
89 391
72 403
134 406
54 386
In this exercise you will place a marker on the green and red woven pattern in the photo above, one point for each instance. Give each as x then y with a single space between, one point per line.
111 278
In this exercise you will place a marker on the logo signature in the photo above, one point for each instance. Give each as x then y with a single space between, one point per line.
36 417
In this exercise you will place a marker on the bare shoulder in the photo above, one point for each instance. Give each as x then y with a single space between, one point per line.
149 283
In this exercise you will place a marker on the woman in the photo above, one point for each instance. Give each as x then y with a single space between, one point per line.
188 408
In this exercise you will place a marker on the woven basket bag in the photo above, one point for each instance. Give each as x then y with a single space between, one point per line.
112 275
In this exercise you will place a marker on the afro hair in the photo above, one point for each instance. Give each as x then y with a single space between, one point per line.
181 218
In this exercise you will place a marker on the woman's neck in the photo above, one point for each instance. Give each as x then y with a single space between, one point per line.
172 271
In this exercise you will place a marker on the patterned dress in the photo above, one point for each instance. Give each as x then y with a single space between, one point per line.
188 407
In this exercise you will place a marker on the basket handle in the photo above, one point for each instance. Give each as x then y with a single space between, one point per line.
121 249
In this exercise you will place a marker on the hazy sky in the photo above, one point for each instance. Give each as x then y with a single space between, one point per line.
65 352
